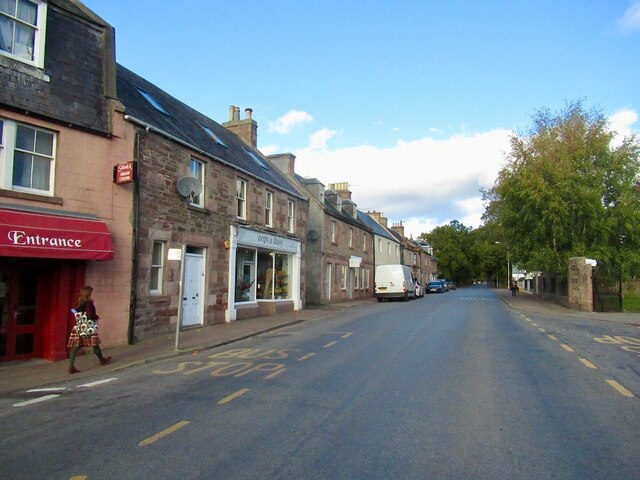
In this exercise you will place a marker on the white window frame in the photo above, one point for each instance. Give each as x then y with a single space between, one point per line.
268 208
364 242
350 237
380 245
334 227
8 139
241 199
291 209
343 277
196 170
40 34
157 269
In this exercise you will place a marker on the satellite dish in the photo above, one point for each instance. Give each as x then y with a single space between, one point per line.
312 235
189 186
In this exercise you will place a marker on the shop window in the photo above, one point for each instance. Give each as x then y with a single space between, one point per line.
274 273
157 268
357 278
27 158
22 30
343 277
245 275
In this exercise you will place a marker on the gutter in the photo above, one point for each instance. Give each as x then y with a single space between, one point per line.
148 127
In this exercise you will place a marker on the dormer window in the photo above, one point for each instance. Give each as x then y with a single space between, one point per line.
22 30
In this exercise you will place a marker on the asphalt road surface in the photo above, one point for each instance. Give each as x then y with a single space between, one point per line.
450 386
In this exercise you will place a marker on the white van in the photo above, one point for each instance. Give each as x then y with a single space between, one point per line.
394 281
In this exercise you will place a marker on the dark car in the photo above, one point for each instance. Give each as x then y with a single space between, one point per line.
451 285
437 286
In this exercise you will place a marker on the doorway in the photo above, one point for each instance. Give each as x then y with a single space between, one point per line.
193 291
18 320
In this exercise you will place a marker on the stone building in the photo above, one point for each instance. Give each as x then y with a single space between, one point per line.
64 222
218 230
339 258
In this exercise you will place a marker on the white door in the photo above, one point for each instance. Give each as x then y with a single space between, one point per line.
327 284
193 291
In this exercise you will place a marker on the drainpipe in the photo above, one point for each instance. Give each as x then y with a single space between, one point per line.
133 298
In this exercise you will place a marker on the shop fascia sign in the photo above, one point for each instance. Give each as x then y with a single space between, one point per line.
266 240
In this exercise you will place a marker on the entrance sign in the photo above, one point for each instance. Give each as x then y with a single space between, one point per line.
41 235
269 241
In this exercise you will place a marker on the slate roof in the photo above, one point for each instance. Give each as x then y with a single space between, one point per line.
375 227
185 124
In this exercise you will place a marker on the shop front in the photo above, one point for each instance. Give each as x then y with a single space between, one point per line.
43 257
264 274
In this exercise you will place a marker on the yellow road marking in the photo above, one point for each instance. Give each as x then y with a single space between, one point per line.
552 337
79 477
542 330
621 390
306 357
567 347
330 344
588 364
233 396
348 334
534 324
163 433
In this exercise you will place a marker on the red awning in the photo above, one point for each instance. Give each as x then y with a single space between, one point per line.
42 235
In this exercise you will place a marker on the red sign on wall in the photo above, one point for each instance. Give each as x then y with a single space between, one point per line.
124 173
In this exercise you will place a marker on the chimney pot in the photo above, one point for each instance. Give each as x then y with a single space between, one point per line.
248 112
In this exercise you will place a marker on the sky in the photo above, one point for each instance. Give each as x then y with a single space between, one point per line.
412 102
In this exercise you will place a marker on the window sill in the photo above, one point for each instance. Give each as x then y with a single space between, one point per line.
196 208
31 196
24 68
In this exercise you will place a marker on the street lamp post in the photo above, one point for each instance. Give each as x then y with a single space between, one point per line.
509 278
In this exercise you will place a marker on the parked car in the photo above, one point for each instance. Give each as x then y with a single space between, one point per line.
394 281
436 286
451 285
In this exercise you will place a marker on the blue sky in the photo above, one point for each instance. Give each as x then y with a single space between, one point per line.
411 102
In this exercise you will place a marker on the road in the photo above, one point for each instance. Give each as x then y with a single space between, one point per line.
455 385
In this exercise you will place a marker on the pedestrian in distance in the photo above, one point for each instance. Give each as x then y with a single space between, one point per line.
514 289
85 331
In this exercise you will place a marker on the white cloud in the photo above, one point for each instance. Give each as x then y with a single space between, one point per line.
289 121
318 141
424 183
622 124
630 21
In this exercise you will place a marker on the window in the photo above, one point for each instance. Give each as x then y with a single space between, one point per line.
357 278
388 248
397 251
343 277
256 159
380 245
334 227
157 267
366 278
351 238
268 208
415 259
27 158
274 270
241 196
196 170
290 217
364 242
22 30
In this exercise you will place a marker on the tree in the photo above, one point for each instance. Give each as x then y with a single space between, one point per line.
452 245
566 191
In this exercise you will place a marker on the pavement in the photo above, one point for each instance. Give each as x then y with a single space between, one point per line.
30 374
36 373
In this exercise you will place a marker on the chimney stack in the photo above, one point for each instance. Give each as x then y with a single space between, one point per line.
247 129
285 162
378 217
398 228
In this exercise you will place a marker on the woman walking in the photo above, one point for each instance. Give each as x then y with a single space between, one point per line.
85 332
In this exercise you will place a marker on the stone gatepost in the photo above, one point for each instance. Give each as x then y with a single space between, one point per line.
581 284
